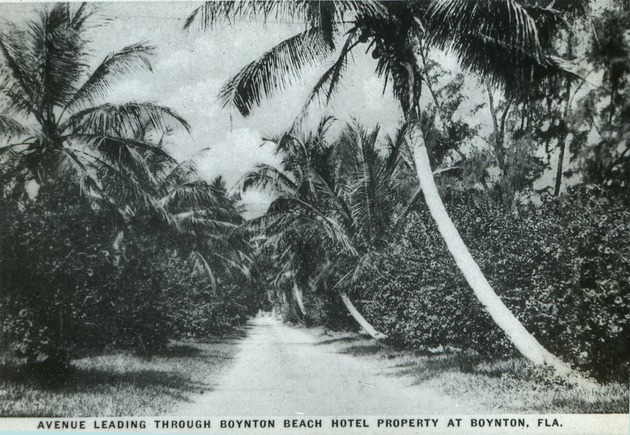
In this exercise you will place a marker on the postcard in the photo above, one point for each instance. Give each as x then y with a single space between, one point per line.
328 217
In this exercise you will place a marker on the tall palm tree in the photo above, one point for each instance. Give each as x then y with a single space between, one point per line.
483 34
54 123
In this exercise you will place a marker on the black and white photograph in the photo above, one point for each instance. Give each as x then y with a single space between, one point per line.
315 216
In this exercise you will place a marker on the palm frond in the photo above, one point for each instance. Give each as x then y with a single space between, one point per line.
16 101
324 188
60 59
17 71
10 127
177 174
549 20
66 164
152 152
130 59
80 15
293 147
395 153
200 223
329 223
189 195
366 262
118 185
204 217
275 70
16 150
313 12
507 22
72 165
261 223
127 156
201 260
264 176
124 121
226 11
327 83
485 33
235 264
343 8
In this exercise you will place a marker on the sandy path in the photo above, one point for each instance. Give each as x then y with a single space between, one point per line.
282 371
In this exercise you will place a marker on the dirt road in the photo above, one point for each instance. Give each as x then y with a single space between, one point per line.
282 370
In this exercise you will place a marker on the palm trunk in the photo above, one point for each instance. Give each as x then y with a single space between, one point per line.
558 182
360 319
297 294
563 141
208 270
502 316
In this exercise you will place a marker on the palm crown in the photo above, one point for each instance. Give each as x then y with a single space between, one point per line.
51 122
482 34
336 202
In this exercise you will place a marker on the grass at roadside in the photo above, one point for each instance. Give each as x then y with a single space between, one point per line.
118 385
508 385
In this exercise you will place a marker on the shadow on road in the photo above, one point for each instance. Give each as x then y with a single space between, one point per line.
337 340
420 366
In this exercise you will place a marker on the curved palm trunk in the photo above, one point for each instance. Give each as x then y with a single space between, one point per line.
297 294
360 319
208 270
502 316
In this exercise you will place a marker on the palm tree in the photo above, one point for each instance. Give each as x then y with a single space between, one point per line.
483 34
337 202
367 181
189 215
208 223
57 132
304 224
54 123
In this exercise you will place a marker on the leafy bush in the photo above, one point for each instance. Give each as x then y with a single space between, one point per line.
562 267
326 308
70 287
160 296
56 276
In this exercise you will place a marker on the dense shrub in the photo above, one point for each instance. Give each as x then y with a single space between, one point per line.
161 296
327 309
562 267
56 279
71 287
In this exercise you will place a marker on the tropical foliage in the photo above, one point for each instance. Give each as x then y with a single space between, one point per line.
107 241
482 33
513 169
570 289
55 124
531 103
337 199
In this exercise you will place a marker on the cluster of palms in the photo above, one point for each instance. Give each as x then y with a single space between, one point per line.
483 34
339 198
336 201
58 137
